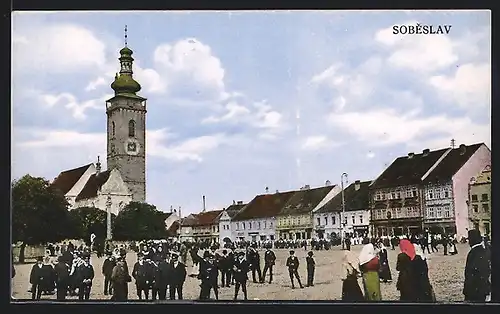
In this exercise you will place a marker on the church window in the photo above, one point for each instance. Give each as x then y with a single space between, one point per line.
131 128
113 128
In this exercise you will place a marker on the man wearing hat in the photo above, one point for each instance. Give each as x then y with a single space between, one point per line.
269 261
292 263
177 276
107 269
253 258
62 270
224 262
209 277
36 279
477 284
162 274
141 274
85 275
240 274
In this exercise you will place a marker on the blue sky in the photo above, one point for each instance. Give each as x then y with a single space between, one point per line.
240 101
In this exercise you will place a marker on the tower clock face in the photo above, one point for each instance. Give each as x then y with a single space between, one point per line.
132 147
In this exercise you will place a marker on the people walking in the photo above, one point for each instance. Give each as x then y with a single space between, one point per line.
477 284
351 292
369 266
423 288
385 270
405 283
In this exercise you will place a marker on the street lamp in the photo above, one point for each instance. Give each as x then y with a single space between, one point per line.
343 177
108 218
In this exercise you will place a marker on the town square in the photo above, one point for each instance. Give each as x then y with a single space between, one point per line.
205 162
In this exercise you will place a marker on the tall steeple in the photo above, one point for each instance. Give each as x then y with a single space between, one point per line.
124 82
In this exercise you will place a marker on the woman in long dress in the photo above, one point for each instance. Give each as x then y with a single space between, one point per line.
453 246
406 284
369 266
351 292
385 270
423 287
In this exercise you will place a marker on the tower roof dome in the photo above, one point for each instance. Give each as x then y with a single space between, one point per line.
126 51
125 84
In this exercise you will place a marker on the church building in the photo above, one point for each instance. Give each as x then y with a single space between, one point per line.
125 179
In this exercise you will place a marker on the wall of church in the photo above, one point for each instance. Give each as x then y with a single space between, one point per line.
117 202
77 188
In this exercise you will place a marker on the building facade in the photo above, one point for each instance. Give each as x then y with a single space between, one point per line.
295 220
329 220
227 231
446 188
396 196
257 220
203 226
480 202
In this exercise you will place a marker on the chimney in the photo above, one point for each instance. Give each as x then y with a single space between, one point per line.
240 202
410 155
307 186
98 166
171 209
204 203
277 191
267 189
357 185
234 202
328 183
180 214
462 148
426 152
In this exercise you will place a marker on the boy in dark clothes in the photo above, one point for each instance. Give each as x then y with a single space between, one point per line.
85 275
107 270
36 279
311 265
292 263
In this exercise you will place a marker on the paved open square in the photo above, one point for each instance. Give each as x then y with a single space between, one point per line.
446 275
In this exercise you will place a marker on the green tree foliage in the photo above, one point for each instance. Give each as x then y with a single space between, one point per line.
88 220
39 212
139 221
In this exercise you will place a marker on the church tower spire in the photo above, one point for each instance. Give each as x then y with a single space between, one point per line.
126 126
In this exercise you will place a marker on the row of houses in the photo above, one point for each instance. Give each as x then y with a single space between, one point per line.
433 190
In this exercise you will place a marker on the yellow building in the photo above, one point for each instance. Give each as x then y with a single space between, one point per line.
480 202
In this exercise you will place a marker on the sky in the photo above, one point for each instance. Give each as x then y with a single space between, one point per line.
241 101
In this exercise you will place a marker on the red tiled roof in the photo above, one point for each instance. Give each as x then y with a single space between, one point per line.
263 206
93 185
67 179
304 201
207 218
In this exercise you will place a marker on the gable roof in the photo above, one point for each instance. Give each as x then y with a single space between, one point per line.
234 209
66 180
206 218
354 200
452 163
93 185
188 221
407 171
304 201
264 206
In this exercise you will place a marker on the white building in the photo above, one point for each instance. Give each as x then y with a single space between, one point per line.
226 229
330 220
187 228
446 188
257 229
87 186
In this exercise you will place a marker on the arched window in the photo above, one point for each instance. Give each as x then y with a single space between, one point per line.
131 128
113 128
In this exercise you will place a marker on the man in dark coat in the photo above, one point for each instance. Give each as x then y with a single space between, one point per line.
120 279
162 275
292 263
477 284
62 270
107 269
177 278
240 274
311 266
36 278
253 258
224 267
269 261
85 275
142 272
209 277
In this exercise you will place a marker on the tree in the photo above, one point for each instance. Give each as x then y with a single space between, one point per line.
139 221
39 213
88 220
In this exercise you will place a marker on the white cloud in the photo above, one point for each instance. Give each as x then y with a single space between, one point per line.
469 86
386 127
318 142
57 48
70 102
96 83
417 52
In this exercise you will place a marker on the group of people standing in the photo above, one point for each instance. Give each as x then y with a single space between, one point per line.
413 281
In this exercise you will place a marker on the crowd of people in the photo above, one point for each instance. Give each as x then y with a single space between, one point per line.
161 268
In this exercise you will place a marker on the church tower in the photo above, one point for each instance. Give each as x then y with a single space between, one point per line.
126 128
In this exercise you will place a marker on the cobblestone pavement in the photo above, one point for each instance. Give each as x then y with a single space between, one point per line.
446 274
